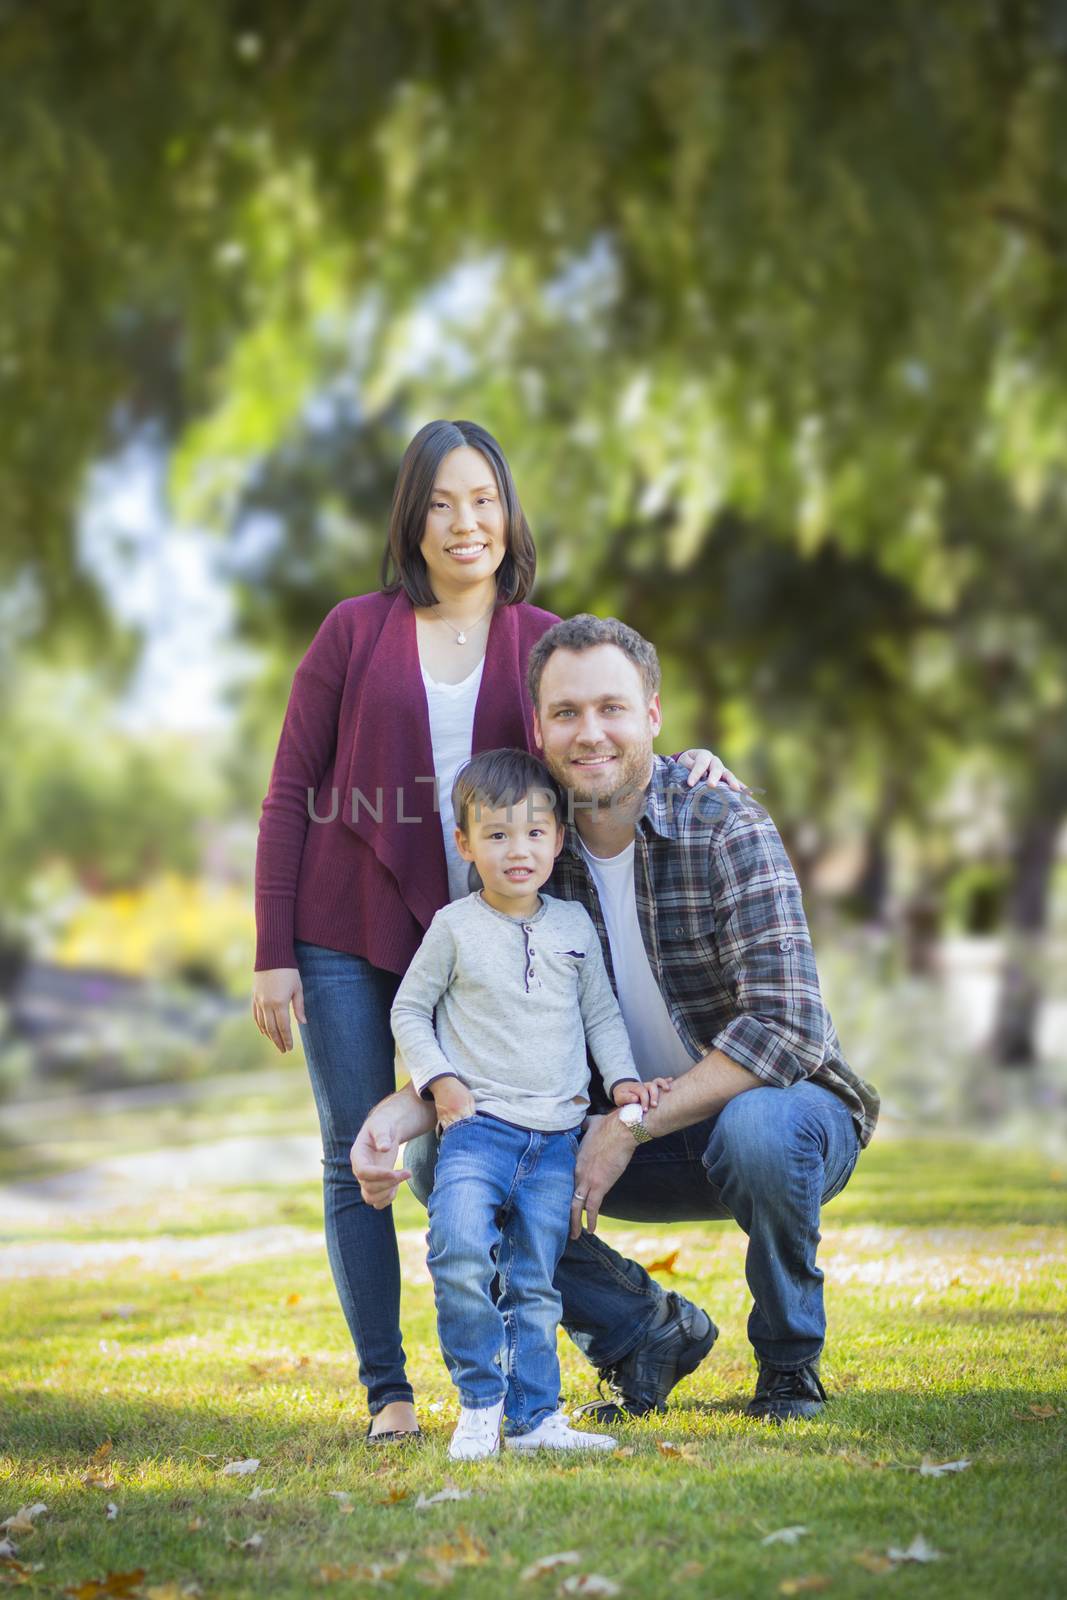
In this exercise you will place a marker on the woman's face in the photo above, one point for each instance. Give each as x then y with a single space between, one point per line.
465 538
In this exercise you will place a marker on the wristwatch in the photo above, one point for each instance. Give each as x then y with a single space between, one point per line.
633 1117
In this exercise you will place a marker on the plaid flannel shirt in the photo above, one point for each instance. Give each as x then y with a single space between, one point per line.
726 937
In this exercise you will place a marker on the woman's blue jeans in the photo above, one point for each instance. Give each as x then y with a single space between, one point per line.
499 1216
770 1160
350 1053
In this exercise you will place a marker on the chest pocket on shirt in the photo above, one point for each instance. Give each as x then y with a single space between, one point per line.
687 943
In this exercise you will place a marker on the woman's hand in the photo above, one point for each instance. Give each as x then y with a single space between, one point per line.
272 993
704 765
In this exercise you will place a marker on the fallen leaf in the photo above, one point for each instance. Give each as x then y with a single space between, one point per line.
538 1568
1043 1412
813 1583
449 1492
689 1569
690 1451
253 1544
785 1535
463 1550
941 1469
589 1583
13 1573
18 1526
374 1572
873 1562
394 1497
259 1493
918 1550
119 1585
664 1264
292 1299
24 1517
240 1469
624 1452
195 1525
112 1511
98 1474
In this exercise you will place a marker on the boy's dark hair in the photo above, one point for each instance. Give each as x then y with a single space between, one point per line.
403 566
499 778
585 632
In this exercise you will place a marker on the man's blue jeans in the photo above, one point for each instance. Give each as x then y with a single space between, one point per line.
350 1053
770 1159
500 1210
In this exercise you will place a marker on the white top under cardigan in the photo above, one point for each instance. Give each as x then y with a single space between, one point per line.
451 709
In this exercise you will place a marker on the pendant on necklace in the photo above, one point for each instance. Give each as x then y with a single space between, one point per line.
461 638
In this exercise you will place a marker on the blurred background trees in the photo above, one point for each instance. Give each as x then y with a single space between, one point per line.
765 303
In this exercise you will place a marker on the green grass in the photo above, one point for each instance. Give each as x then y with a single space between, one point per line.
945 1292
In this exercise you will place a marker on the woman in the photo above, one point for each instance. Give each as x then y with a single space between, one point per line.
396 692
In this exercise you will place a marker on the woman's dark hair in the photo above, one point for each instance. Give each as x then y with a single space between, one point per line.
403 566
497 778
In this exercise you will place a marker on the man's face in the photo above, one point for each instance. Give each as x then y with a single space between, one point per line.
594 722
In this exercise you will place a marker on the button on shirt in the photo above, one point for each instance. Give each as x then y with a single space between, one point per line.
723 926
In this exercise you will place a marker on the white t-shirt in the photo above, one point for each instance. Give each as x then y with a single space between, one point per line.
654 1040
451 707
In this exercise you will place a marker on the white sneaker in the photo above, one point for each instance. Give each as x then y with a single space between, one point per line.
477 1433
554 1433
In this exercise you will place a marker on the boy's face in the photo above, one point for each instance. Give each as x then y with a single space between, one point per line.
513 847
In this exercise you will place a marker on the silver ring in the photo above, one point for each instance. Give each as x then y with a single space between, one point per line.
578 1196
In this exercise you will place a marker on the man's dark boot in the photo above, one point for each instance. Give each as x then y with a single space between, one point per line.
782 1395
640 1382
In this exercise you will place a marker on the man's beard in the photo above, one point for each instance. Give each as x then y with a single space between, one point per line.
630 774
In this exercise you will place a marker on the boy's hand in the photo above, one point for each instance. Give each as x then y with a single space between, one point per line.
453 1100
646 1095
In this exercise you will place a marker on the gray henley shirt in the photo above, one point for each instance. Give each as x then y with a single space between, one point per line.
515 1003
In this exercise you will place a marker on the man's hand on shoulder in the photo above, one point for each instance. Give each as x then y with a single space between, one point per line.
603 1156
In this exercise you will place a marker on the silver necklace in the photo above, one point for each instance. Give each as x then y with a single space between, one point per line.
461 637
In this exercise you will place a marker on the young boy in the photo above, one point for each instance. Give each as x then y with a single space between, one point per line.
519 987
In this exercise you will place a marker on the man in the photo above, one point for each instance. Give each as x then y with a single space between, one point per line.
700 917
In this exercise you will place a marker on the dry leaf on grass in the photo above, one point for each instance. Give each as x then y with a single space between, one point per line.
785 1535
24 1518
259 1493
1036 1413
97 1474
813 1583
664 1263
687 1571
394 1497
871 1561
253 1544
589 1583
195 1525
918 1550
462 1550
624 1452
373 1572
240 1469
449 1492
543 1564
690 1451
292 1299
13 1574
941 1469
117 1586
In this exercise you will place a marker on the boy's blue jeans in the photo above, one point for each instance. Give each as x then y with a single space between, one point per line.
770 1159
499 1210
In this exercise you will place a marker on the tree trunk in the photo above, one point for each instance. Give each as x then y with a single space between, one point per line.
1014 1043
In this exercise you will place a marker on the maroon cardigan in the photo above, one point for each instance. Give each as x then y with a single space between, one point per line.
369 878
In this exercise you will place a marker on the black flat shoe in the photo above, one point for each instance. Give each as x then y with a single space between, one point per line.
391 1436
